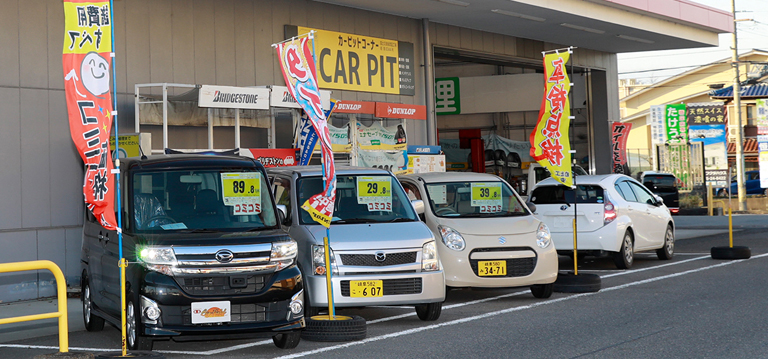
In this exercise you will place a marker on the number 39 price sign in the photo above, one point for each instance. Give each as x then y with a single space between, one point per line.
242 191
375 192
487 196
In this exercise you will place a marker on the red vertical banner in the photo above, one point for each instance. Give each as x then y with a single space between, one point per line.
619 135
87 68
297 63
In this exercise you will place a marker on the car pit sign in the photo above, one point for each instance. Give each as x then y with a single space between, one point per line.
375 192
242 190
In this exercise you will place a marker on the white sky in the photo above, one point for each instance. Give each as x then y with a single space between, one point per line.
751 34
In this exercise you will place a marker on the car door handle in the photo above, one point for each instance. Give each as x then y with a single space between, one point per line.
101 236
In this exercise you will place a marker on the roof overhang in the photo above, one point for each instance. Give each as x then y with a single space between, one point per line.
612 26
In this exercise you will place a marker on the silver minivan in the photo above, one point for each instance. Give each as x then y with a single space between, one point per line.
381 253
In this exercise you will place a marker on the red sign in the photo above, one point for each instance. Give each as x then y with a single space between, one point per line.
398 110
355 107
619 134
271 157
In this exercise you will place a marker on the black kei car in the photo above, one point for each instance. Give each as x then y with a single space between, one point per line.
665 186
207 256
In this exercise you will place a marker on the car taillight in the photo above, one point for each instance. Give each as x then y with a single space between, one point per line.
609 212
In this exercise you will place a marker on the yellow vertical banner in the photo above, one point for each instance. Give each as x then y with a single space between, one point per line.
550 146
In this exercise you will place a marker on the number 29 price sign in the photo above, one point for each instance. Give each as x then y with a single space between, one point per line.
375 192
242 190
487 196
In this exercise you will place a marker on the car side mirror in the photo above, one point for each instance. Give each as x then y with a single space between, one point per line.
531 206
659 200
418 206
282 212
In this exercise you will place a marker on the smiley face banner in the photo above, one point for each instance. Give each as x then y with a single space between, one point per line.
87 68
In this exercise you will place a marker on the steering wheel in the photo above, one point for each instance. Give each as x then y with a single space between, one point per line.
444 211
156 221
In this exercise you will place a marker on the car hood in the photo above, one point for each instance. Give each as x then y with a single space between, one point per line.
366 236
491 226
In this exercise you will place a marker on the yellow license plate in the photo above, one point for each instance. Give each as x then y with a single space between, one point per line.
491 268
366 288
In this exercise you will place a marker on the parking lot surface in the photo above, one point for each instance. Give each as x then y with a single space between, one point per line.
689 307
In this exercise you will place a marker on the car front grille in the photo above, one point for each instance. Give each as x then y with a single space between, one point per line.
222 285
391 286
370 259
516 267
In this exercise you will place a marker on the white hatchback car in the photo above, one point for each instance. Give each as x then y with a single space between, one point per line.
487 235
615 214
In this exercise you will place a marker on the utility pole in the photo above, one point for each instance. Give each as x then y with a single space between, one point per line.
739 128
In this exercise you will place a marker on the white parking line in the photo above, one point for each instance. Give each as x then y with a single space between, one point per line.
508 310
385 319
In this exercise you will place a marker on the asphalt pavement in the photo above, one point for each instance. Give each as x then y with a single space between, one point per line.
689 307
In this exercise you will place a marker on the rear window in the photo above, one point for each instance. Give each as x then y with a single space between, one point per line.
562 194
651 181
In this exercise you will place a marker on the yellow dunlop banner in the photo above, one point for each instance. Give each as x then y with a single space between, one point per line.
362 63
549 140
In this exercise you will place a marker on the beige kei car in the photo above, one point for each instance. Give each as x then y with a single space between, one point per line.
487 236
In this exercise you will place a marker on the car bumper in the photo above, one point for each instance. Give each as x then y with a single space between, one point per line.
606 238
263 312
460 267
399 289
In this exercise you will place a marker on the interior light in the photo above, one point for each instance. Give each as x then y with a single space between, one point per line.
582 28
518 15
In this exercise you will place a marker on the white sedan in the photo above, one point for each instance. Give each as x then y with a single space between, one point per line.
614 213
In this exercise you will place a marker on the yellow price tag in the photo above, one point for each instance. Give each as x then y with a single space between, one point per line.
486 191
241 187
373 187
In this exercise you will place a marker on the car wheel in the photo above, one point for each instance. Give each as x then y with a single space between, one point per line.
542 290
340 330
626 255
133 340
429 312
668 251
91 321
287 340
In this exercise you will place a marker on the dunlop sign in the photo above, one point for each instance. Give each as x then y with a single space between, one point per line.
361 63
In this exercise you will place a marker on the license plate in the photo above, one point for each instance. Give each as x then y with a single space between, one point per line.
210 312
366 288
491 268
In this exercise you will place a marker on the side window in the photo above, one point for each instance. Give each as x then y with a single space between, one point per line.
411 190
642 194
283 195
626 191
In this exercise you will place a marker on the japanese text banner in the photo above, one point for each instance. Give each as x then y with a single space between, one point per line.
619 135
298 66
550 146
86 61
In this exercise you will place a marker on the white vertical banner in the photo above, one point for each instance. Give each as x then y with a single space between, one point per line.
762 148
656 121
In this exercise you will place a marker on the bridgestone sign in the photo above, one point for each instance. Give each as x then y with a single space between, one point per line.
234 97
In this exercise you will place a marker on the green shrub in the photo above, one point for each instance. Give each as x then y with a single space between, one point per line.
690 201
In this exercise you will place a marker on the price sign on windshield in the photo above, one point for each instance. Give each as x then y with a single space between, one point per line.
486 195
241 188
376 190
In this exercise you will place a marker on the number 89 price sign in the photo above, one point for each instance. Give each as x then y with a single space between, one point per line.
242 190
375 192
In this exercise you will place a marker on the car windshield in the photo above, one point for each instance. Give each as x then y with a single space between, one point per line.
565 195
360 199
474 199
651 181
209 200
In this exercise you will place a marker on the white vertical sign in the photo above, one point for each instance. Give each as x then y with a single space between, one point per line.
656 121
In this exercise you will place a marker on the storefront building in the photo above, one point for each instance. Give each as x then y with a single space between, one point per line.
396 53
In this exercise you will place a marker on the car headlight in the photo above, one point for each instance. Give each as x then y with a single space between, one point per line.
452 238
283 253
158 259
318 260
543 237
429 257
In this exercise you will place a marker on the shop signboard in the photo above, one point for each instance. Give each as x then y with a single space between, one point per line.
712 138
361 63
253 98
129 145
674 122
447 96
705 113
281 97
271 157
402 111
762 148
424 150
393 161
378 137
761 115
619 135
656 122
355 107
426 163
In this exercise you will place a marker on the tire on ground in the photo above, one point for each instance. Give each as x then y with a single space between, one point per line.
542 290
581 283
344 330
131 354
735 252
429 312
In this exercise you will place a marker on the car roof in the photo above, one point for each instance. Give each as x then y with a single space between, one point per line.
317 170
174 161
654 173
433 177
590 179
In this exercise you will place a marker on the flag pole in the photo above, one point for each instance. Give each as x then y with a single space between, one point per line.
122 263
